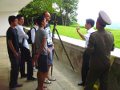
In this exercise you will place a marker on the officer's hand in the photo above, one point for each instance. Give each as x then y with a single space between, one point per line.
78 28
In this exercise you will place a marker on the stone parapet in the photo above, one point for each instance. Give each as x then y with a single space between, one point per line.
75 49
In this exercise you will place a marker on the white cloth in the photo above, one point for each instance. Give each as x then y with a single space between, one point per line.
33 33
49 35
87 36
22 35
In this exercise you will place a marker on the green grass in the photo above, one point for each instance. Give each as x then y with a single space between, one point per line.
70 31
116 34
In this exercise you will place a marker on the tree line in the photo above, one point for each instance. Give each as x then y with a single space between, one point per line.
65 10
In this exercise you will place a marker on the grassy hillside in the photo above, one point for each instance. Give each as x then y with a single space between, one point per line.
70 31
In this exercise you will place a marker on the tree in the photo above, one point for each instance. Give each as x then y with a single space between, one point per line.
37 7
68 11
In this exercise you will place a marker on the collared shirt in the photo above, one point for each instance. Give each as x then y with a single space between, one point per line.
33 30
22 35
87 36
49 35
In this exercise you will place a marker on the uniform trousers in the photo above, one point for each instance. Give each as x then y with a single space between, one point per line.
97 72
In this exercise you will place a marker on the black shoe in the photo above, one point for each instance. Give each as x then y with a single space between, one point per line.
32 79
24 76
18 85
12 88
81 84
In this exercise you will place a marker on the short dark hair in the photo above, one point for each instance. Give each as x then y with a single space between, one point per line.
40 19
90 21
36 20
11 19
19 16
45 13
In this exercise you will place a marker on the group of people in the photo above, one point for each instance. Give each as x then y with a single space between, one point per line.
19 50
96 57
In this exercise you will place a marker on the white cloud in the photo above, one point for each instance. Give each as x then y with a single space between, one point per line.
91 8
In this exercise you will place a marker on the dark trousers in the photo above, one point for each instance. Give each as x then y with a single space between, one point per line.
33 50
25 56
85 66
96 73
14 72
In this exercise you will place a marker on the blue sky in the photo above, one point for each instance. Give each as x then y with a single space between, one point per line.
91 8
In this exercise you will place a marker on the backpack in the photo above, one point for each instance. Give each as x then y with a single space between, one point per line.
29 35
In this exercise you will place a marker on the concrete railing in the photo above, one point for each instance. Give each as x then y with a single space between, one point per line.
75 49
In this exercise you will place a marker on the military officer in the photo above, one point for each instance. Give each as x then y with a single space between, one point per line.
101 43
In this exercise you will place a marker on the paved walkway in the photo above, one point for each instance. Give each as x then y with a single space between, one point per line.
67 79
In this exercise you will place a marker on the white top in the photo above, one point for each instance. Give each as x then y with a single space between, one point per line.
33 33
21 35
49 35
87 36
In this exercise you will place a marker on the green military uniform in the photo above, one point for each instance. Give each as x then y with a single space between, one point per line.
100 44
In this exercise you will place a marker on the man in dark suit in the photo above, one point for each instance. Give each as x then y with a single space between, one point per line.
101 43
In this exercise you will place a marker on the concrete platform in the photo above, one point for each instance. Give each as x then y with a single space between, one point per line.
67 79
